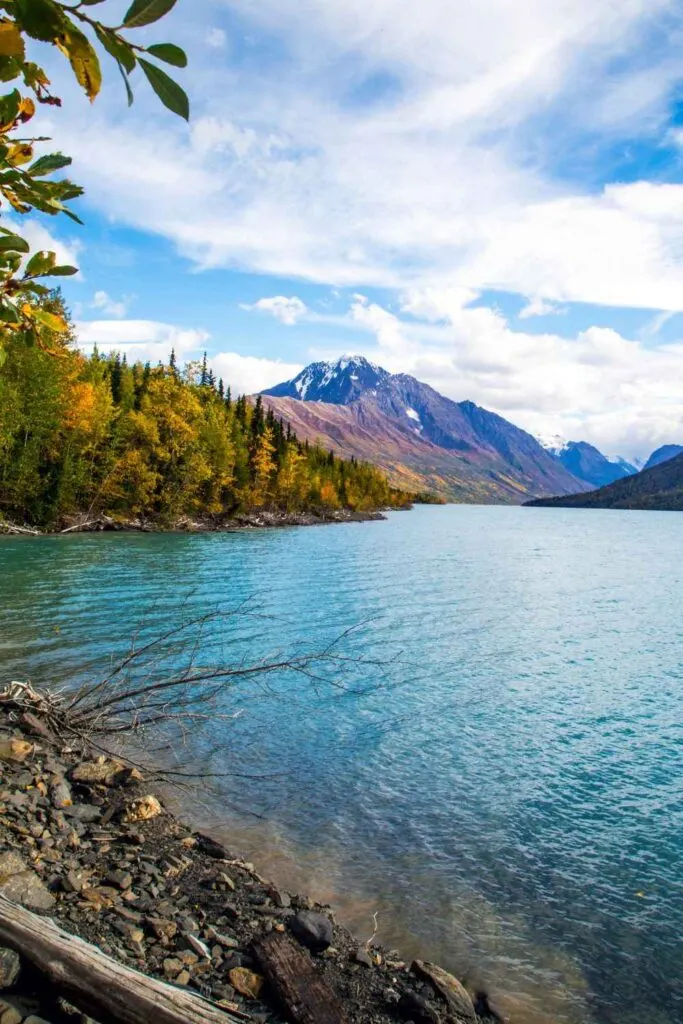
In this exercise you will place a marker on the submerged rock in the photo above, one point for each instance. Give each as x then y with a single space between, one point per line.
448 987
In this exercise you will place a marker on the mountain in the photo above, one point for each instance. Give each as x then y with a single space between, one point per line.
663 454
660 487
585 461
422 439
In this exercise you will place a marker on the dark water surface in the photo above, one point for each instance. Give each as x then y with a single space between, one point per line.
510 799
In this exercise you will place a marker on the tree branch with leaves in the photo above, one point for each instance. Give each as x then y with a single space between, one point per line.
27 184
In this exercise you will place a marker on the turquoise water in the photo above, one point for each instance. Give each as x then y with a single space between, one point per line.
503 782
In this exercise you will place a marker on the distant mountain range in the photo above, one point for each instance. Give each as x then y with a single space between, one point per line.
427 442
660 487
424 441
583 460
663 454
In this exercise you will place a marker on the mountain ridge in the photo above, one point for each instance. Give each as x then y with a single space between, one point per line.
663 454
457 449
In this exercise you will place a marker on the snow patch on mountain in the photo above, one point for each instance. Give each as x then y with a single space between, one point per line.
553 443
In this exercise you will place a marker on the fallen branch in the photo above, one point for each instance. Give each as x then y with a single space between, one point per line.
95 983
13 528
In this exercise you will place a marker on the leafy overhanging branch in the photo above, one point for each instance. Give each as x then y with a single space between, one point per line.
26 182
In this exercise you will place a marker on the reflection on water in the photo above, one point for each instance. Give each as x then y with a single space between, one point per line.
507 791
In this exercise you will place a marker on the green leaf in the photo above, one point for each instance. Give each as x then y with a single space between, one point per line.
40 263
8 313
40 19
116 47
13 243
129 91
168 91
144 12
170 53
61 271
48 163
9 68
9 107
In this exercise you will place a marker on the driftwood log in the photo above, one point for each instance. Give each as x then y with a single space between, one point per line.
95 983
305 995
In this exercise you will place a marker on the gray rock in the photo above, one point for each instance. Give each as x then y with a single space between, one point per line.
121 879
413 1007
22 884
361 956
60 794
10 966
83 812
197 946
312 929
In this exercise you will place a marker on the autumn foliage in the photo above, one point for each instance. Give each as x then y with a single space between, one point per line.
86 435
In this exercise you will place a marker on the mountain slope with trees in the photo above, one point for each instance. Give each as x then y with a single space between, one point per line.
86 436
658 488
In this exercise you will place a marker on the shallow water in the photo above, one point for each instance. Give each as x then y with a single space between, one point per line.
504 781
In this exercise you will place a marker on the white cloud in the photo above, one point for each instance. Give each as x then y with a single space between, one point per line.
540 307
249 374
102 300
141 339
216 38
38 237
288 311
422 155
283 173
599 386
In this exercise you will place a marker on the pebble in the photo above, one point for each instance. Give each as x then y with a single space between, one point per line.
246 982
10 967
9 1013
15 750
144 808
361 956
60 794
121 879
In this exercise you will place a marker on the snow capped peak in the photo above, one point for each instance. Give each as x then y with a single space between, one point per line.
553 443
338 381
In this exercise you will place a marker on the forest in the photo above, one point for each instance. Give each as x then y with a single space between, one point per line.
87 435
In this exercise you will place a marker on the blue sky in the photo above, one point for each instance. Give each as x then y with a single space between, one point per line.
489 198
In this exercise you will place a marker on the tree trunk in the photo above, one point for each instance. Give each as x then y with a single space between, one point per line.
96 984
305 995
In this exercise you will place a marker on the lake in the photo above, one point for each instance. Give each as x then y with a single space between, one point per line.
501 781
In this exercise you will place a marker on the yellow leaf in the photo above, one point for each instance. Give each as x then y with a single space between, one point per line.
20 153
83 60
50 320
11 42
27 109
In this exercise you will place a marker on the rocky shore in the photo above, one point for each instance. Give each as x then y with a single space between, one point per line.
86 841
260 519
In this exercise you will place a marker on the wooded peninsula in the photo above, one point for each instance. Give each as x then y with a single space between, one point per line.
94 435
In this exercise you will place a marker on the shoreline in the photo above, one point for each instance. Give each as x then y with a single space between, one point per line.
86 840
262 519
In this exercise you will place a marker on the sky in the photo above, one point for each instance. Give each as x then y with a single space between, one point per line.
488 196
